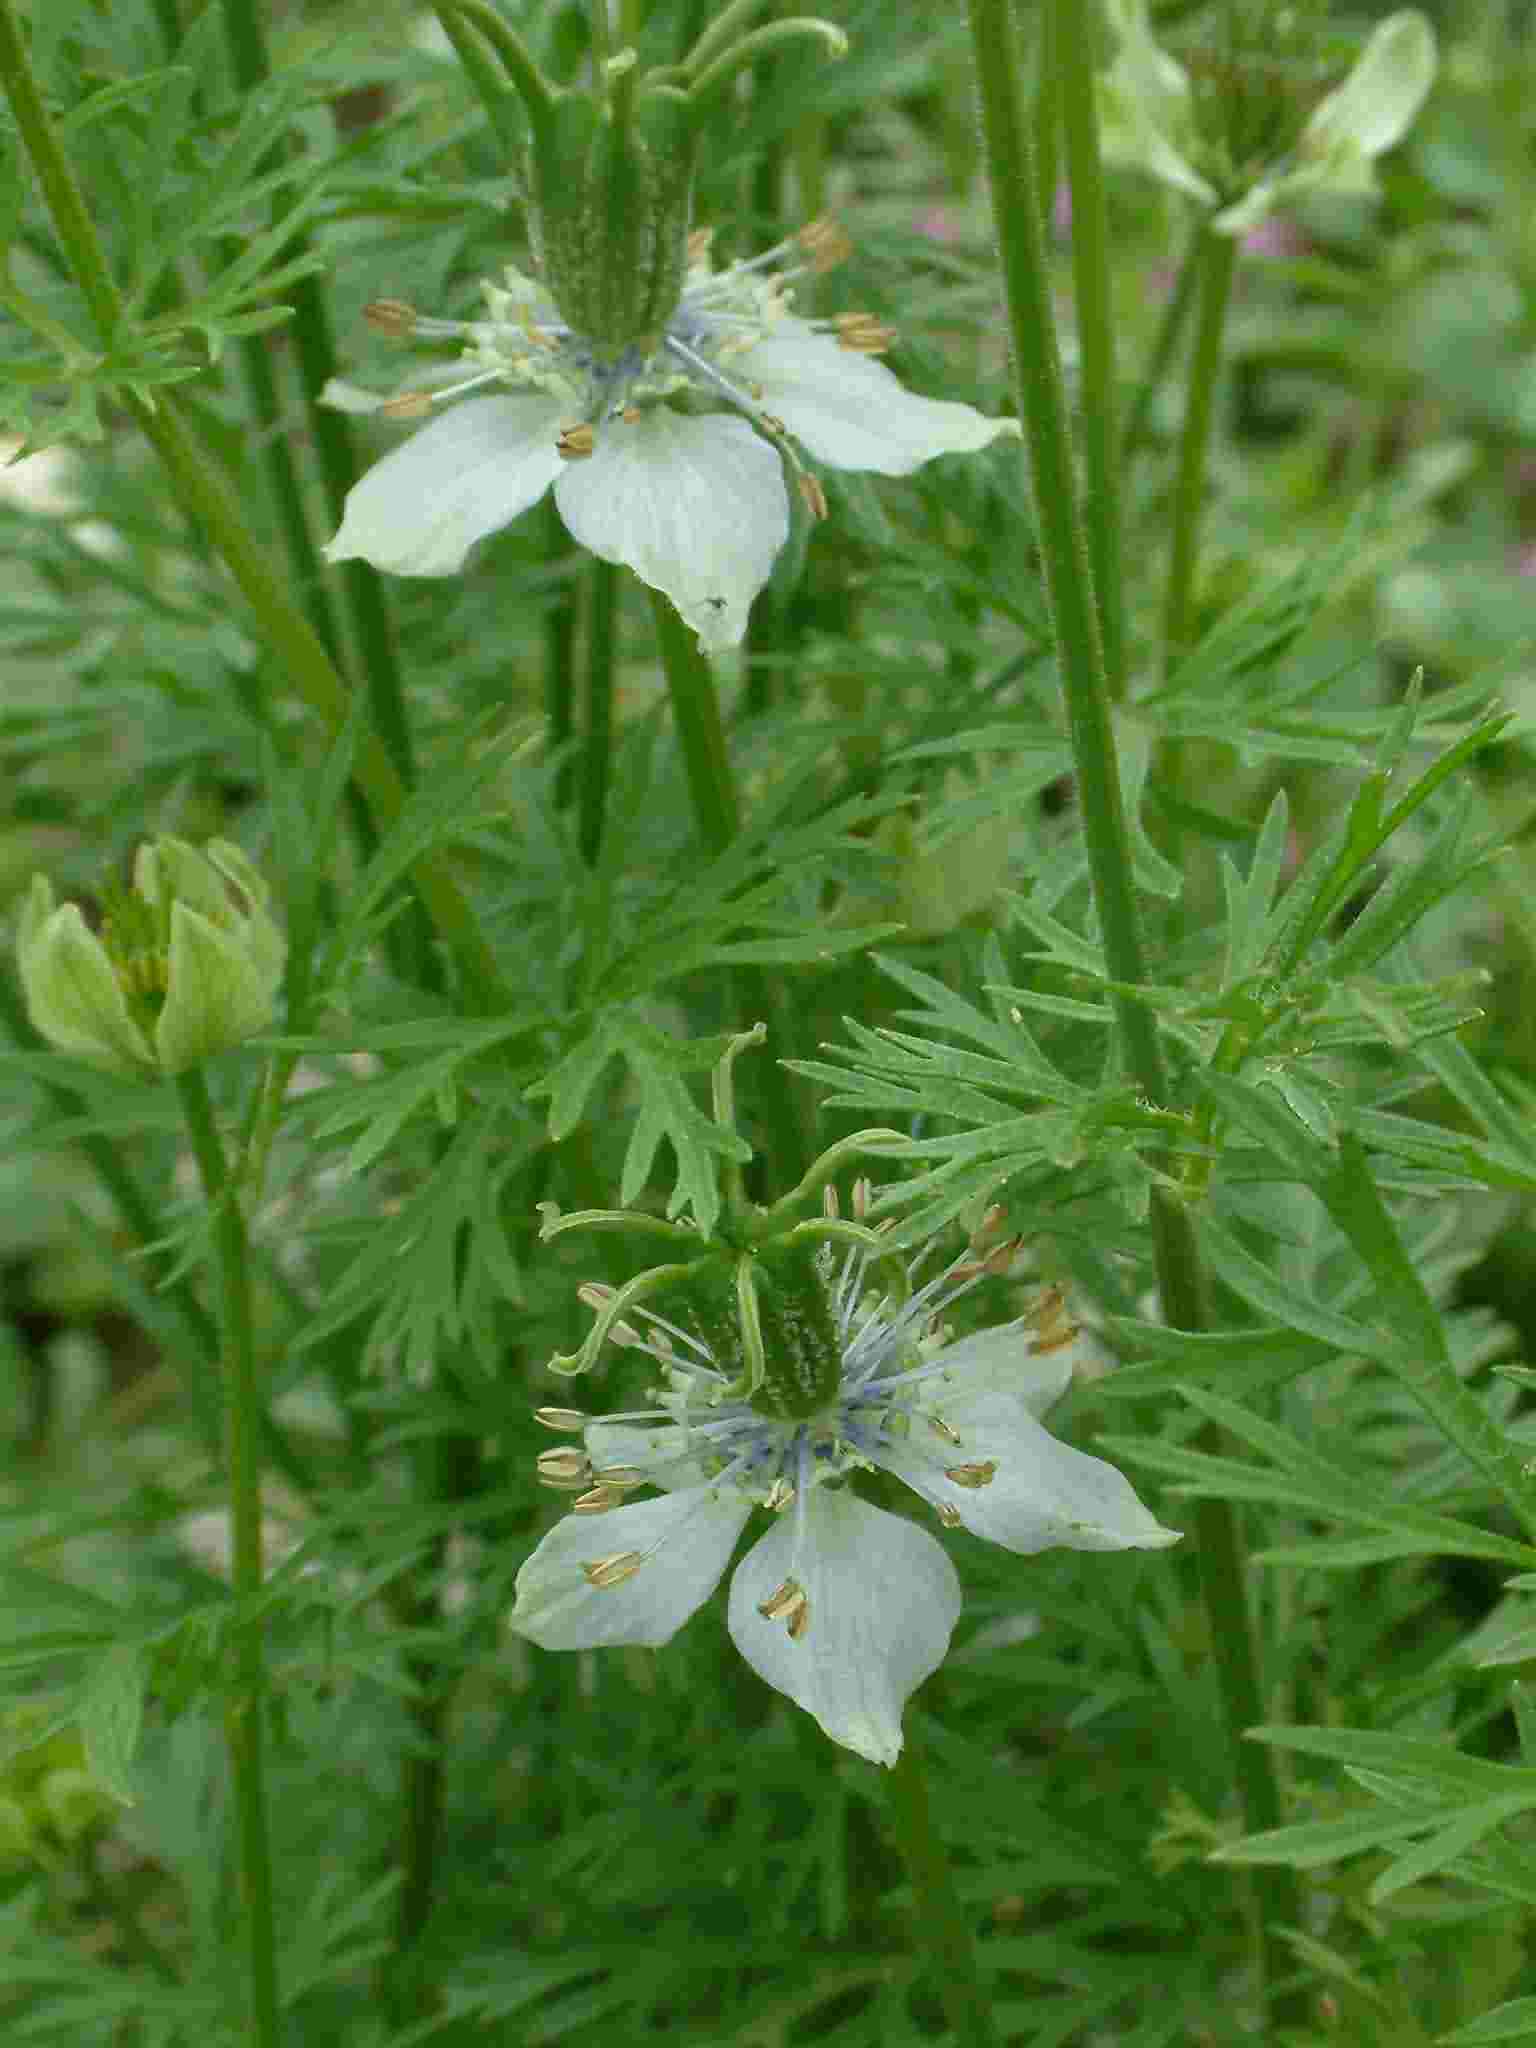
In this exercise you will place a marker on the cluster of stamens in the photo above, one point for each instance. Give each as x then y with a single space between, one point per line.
524 343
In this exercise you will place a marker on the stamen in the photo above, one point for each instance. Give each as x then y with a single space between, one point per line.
825 243
864 334
391 316
598 1501
941 1428
812 496
566 1470
949 1515
565 1419
973 1477
1054 1327
779 1495
409 405
619 1475
612 1570
698 245
576 443
789 1605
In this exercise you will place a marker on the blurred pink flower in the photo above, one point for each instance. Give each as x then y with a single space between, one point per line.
938 224
1277 240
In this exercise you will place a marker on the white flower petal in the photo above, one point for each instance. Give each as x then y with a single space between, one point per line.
695 506
1375 106
1002 1361
466 473
1043 1492
850 411
686 1539
882 1599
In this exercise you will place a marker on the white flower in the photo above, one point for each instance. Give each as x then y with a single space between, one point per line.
842 1606
1147 117
693 502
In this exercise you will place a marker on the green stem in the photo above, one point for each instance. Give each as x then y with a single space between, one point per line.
599 34
560 624
788 1123
1216 260
700 734
61 193
244 1716
1045 106
941 1923
1095 327
1164 342
597 738
446 1469
1180 1275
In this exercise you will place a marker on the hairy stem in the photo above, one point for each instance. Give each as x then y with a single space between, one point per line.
1216 259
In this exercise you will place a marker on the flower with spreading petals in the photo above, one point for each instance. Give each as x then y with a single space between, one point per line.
1149 122
843 1606
666 455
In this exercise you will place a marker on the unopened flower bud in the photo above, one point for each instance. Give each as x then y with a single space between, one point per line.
187 963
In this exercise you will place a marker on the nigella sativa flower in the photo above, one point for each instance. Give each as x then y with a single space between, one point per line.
843 1606
693 501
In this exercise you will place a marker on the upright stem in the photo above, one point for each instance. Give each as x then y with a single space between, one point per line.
788 1124
1095 329
1216 259
700 734
246 1706
938 1910
597 738
1179 1269
1164 342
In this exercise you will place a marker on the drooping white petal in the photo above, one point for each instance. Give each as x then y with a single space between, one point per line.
1369 113
1042 1493
695 506
1376 105
850 411
882 1598
1001 1361
1145 117
685 1540
463 475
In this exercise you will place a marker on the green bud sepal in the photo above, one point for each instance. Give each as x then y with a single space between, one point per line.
187 964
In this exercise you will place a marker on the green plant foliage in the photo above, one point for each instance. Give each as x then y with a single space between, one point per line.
584 973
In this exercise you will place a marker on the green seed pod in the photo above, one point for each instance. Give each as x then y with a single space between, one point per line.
609 190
